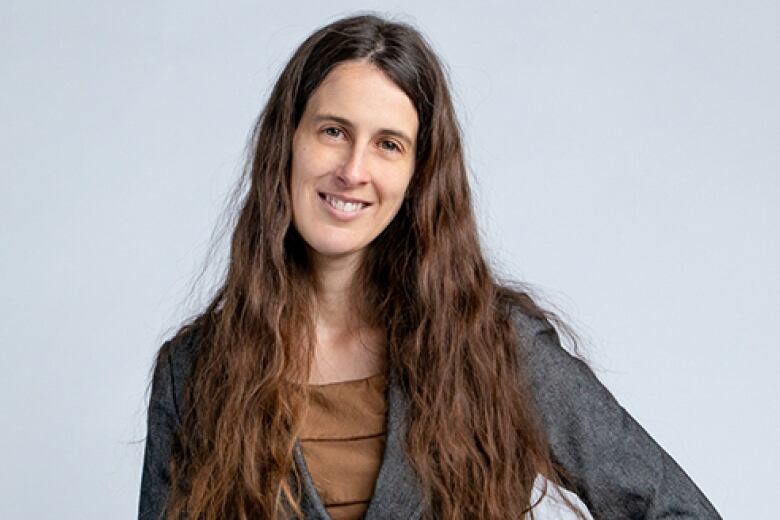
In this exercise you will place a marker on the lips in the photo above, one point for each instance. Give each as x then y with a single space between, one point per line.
342 198
343 209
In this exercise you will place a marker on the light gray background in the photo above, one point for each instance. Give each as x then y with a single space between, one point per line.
625 158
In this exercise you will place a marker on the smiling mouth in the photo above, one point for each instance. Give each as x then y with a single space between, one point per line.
341 204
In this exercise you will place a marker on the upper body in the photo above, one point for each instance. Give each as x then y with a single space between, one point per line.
619 470
357 251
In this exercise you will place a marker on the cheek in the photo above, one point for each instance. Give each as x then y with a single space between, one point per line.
392 194
295 183
302 172
298 184
400 184
310 163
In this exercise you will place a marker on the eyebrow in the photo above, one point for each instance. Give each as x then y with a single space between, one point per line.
346 122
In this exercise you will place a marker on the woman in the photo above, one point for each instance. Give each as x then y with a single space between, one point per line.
359 357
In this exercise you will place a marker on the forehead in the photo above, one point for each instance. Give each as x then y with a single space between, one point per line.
363 94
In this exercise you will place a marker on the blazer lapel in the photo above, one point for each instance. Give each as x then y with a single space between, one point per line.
397 492
311 504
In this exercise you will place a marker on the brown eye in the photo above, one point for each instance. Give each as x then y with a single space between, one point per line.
390 146
332 131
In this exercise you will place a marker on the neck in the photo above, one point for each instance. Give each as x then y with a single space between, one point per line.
346 348
336 307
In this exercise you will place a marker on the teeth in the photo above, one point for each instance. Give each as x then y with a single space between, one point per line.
341 205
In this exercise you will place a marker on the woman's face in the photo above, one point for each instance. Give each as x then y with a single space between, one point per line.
352 159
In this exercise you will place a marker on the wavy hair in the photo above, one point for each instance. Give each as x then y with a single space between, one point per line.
473 438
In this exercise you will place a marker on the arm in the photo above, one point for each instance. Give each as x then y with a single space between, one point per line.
618 470
162 422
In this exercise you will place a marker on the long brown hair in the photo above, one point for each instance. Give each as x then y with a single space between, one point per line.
473 437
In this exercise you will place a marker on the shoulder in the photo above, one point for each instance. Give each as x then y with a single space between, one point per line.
557 378
173 367
527 323
539 342
178 353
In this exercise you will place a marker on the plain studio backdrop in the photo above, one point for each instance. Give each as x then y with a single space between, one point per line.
624 156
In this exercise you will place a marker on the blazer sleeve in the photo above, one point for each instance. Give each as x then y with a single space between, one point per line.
618 470
163 421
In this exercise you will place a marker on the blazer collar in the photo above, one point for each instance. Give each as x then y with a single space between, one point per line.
397 492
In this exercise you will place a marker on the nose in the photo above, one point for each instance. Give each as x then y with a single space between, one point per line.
354 172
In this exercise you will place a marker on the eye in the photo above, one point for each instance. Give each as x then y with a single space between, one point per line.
389 146
333 132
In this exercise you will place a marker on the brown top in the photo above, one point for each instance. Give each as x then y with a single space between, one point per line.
343 440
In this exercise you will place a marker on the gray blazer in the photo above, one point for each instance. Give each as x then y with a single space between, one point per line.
620 471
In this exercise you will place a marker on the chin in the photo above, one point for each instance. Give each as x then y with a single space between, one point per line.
335 250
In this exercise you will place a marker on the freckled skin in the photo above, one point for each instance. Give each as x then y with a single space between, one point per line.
350 142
